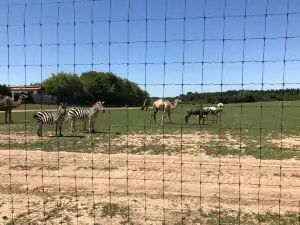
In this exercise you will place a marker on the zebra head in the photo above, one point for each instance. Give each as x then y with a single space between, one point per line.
103 110
98 107
62 108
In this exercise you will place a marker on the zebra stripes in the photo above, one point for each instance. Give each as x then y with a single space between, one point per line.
51 118
88 114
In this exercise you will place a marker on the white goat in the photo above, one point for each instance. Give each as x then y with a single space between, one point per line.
220 105
215 110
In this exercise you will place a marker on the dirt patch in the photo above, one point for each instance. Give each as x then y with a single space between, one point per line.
190 142
292 142
20 138
138 189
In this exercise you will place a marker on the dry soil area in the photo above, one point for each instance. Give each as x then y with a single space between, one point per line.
76 188
292 142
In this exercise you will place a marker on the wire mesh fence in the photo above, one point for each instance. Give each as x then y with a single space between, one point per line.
239 165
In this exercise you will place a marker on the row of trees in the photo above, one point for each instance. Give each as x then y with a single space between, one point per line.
4 90
92 86
237 96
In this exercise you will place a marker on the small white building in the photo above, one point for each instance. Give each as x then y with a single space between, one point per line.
34 92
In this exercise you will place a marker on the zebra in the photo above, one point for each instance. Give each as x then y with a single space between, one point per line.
50 118
89 114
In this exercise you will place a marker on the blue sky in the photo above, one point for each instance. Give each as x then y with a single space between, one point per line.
58 28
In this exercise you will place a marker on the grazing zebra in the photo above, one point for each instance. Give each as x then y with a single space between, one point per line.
89 114
50 118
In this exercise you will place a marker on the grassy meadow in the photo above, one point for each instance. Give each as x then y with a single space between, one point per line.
251 124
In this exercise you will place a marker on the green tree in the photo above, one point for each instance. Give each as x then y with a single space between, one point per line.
66 86
4 90
111 88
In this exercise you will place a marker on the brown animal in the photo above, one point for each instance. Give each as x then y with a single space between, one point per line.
6 104
165 106
145 105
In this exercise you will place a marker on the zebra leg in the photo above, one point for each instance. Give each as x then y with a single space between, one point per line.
39 130
84 124
60 128
90 126
55 129
93 126
72 126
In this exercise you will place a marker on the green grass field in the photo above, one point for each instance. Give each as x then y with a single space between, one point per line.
251 124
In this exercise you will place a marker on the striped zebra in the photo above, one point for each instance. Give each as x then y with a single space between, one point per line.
51 118
89 114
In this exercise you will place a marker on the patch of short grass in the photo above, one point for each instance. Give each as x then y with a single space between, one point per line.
222 216
271 218
265 151
113 210
108 168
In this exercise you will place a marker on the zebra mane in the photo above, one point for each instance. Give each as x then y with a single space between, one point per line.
61 107
93 107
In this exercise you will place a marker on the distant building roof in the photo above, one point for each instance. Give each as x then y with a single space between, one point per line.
25 88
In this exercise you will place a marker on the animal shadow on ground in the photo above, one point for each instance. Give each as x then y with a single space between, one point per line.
190 123
195 125
96 132
68 136
173 123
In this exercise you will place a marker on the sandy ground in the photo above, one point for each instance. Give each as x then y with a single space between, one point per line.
187 143
292 142
74 188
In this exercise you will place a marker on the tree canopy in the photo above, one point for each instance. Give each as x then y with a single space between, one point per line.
237 96
66 86
4 90
91 86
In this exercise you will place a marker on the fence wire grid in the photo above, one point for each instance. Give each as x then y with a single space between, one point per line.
238 167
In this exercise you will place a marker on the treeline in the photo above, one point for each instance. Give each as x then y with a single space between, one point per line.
4 90
92 86
237 96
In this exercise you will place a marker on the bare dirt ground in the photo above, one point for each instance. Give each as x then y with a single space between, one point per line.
292 142
76 188
192 143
